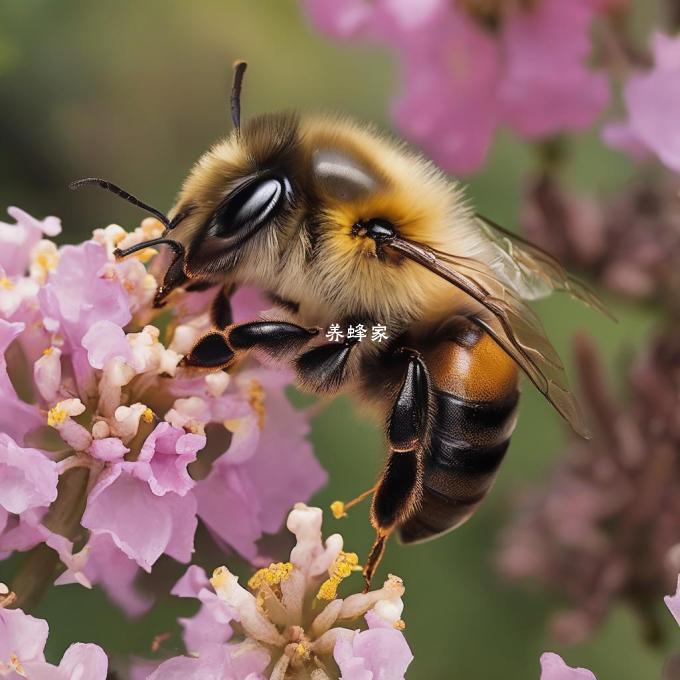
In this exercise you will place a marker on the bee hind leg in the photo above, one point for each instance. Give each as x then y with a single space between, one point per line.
400 488
219 349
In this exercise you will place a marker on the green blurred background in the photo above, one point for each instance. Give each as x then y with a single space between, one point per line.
134 92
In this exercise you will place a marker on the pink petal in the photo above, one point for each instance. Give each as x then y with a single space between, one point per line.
109 567
106 340
17 240
375 653
168 451
86 661
448 100
673 603
16 416
78 296
552 38
140 523
554 668
108 449
22 635
191 583
28 478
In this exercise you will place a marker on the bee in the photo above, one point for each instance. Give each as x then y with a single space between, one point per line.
339 224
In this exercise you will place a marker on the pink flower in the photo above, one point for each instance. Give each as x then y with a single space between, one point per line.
652 102
118 427
468 68
279 630
673 603
22 644
554 668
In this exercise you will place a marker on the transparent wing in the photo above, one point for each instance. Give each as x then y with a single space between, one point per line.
509 320
530 271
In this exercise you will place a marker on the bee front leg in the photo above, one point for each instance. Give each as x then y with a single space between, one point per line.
400 488
324 368
219 349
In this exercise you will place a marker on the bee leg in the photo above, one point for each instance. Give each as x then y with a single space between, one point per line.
400 488
218 349
220 311
324 368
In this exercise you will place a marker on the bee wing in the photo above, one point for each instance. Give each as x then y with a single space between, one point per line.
510 322
530 271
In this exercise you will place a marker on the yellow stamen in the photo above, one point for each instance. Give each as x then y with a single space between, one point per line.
256 396
147 416
272 575
345 563
17 665
219 577
6 283
339 509
47 262
48 351
400 624
56 416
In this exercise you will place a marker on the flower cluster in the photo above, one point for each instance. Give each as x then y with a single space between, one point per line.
290 622
607 526
469 66
101 430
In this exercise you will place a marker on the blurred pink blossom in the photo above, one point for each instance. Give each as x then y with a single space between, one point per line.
467 68
92 398
652 101
22 644
278 628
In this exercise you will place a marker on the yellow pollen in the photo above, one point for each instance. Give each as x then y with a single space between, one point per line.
56 416
146 254
345 563
256 400
118 237
303 651
48 351
6 283
272 575
400 624
338 509
46 262
147 416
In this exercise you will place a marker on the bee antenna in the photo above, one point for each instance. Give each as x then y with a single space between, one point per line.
148 244
239 71
110 186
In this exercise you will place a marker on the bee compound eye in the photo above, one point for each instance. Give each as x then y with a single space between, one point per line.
252 205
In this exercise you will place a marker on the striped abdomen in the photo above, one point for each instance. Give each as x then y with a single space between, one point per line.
476 400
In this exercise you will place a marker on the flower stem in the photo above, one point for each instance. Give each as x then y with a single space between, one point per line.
40 566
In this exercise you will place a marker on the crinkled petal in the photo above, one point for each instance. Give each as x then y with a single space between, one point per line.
142 524
16 416
106 340
28 478
219 662
379 653
23 635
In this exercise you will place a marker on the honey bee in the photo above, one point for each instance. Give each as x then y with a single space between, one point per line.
338 223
